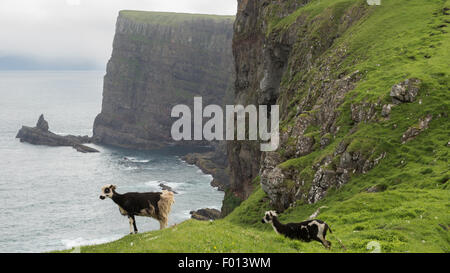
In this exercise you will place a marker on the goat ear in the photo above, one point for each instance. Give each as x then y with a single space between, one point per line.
113 187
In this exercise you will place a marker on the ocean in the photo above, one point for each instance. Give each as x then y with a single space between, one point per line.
49 196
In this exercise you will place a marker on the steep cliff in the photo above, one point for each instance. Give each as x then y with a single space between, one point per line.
364 98
353 83
160 60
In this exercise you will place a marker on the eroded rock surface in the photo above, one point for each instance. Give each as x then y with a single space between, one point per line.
205 214
215 163
166 188
414 131
405 91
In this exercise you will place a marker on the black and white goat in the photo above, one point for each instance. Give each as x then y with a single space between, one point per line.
150 204
305 231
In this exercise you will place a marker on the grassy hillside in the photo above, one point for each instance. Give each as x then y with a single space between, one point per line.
170 18
395 41
400 220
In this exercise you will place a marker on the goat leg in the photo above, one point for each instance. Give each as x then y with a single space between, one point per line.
133 228
163 223
134 225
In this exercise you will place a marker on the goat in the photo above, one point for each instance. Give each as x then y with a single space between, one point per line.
305 231
150 204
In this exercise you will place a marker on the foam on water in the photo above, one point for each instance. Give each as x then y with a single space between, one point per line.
136 160
209 176
156 183
59 188
70 243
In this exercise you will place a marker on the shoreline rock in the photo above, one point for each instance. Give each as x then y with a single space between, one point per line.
205 214
167 188
40 135
213 163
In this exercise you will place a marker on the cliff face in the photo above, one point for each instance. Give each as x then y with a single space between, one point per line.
284 62
160 60
260 62
322 62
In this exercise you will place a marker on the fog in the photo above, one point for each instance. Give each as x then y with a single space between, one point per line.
76 33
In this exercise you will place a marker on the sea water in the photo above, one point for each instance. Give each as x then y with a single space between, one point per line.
49 196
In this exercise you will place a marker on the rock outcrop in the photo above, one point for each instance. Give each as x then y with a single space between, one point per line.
160 60
387 108
405 91
166 188
42 124
205 214
40 135
376 188
414 131
214 163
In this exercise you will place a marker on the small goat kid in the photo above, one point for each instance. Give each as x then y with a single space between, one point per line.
150 204
305 231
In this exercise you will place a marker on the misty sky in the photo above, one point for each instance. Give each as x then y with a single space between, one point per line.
76 33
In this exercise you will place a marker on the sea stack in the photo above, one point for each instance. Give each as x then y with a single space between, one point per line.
40 135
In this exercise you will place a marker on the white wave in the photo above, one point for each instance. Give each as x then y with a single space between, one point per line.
70 243
135 159
155 184
185 213
185 163
199 171
209 176
173 185
141 161
131 168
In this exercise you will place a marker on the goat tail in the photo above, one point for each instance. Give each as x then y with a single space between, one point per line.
329 228
339 240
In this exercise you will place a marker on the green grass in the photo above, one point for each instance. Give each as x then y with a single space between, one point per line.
400 220
171 18
310 10
399 39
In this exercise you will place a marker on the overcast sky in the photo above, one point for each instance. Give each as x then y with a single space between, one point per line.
77 32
